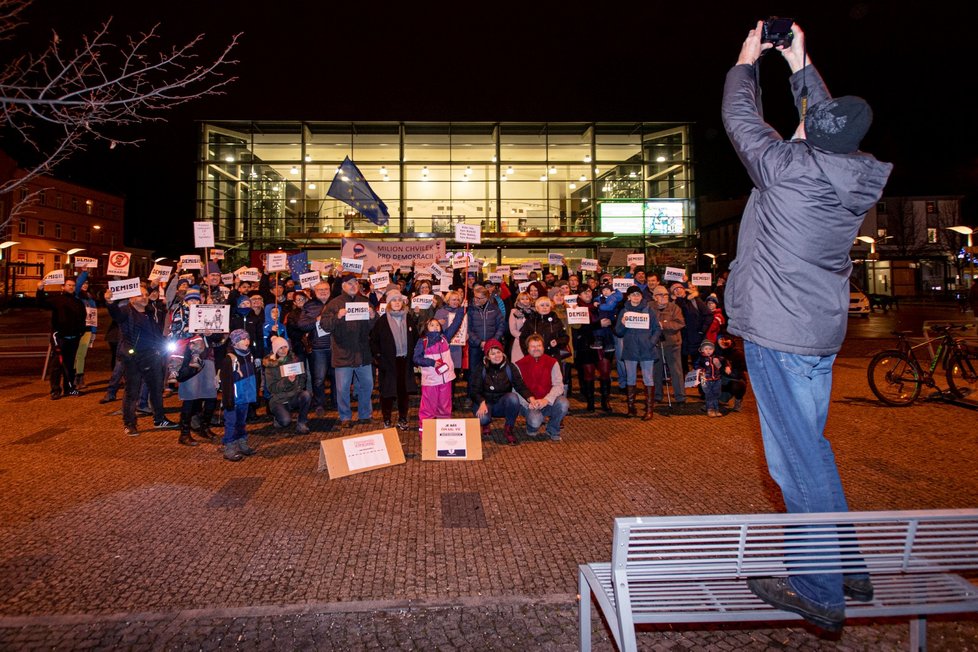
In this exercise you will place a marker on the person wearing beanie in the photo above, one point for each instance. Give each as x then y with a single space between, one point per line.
811 195
709 372
433 355
718 325
493 388
239 389
197 375
286 388
639 332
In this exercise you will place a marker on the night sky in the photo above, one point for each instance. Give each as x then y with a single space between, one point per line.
649 61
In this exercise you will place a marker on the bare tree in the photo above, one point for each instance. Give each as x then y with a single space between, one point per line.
68 97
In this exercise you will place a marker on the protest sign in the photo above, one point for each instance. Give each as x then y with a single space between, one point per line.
503 269
160 273
210 317
520 275
353 265
250 274
118 264
468 233
381 309
555 260
636 259
703 280
522 286
437 271
227 279
191 261
203 235
462 334
57 277
357 311
589 264
422 301
309 279
451 439
293 369
380 280
638 320
674 274
91 317
125 289
445 283
622 284
277 262
375 252
578 315
570 299
217 254
495 277
88 263
358 453
461 260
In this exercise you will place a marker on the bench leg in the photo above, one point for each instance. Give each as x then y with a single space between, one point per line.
584 611
918 635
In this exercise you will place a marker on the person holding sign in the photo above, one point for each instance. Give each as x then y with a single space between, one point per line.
453 311
589 359
91 326
285 378
197 375
433 355
392 341
350 347
698 318
640 333
67 326
312 322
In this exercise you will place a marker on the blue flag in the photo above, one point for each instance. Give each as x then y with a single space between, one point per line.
350 187
298 264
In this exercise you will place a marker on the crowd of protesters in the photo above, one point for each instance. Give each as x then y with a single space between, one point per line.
503 350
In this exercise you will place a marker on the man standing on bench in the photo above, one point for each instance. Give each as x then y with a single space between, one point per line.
811 194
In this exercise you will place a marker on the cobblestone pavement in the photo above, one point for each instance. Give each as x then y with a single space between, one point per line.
114 542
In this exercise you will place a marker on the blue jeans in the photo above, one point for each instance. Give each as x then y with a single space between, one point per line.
321 362
619 363
793 393
234 423
364 378
282 410
508 406
711 394
556 412
631 371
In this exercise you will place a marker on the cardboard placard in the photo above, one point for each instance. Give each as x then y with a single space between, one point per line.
589 264
381 309
638 320
636 259
380 280
309 279
437 271
203 235
422 301
277 262
451 439
445 284
57 277
353 265
469 233
674 274
555 260
118 264
88 263
360 453
622 284
357 311
191 261
503 269
293 369
520 275
160 273
250 274
210 317
579 315
462 260
91 317
125 289
703 280
217 254
495 277
571 300
227 279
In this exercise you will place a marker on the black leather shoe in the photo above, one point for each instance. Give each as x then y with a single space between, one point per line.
859 589
777 592
130 431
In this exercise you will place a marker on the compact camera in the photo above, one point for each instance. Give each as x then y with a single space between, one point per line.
778 32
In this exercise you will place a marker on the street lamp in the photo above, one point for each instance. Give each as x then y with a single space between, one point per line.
68 254
713 263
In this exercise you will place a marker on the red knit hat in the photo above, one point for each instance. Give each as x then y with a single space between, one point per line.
492 344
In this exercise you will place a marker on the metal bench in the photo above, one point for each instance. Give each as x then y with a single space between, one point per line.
693 569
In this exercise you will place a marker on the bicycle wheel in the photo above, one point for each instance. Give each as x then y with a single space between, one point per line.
894 379
962 378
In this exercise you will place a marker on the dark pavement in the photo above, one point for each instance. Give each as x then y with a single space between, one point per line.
111 542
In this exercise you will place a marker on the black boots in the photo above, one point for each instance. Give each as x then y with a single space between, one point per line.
630 399
588 389
185 438
649 402
605 395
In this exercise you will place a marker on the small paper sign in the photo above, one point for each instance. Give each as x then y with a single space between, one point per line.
277 262
674 274
527 266
571 299
637 320
437 271
422 301
308 280
203 234
118 264
445 284
462 334
345 456
421 265
190 261
503 269
537 265
636 259
451 439
692 378
405 269
354 265
520 275
91 317
589 264
251 275
578 315
461 260
160 273
217 254
622 284
380 281
495 277
125 289
381 309
469 233
293 369
703 280
227 279
82 261
386 267
522 286
357 311
555 260
57 277
210 317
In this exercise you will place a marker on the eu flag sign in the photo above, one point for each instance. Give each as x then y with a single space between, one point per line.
350 187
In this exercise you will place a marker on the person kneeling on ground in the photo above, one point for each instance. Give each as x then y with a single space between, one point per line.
492 387
542 376
286 391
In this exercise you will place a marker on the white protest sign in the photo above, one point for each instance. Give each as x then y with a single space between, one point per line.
422 265
118 264
445 284
495 277
380 280
674 274
386 267
422 301
437 271
503 269
450 437
555 260
82 261
160 273
638 320
217 254
469 233
293 369
210 317
381 309
589 264
520 275
703 280
522 286
91 317
571 299
353 265
57 277
579 315
405 269
190 261
527 266
125 289
365 452
203 235
462 334
308 280
636 259
537 265
461 260
227 279
277 262
250 274
357 311
622 284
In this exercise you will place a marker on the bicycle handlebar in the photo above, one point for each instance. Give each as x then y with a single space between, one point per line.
944 328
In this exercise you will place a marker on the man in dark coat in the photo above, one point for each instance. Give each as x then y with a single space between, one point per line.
810 197
67 326
698 318
350 346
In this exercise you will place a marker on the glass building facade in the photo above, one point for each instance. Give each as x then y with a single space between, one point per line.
562 186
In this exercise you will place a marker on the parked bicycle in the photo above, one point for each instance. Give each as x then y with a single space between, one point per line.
896 376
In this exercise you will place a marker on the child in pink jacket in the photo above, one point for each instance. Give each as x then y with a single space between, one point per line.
433 355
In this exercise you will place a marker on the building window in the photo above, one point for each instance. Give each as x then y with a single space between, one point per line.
23 194
74 204
57 230
880 233
88 206
22 227
42 197
881 207
115 212
57 261
58 200
931 235
21 259
101 210
40 227
74 232
931 207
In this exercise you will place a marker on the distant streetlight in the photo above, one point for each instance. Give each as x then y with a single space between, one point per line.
963 230
713 260
872 244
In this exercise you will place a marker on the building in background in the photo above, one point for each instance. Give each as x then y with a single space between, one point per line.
582 189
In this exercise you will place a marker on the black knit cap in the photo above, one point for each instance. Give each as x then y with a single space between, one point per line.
838 125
